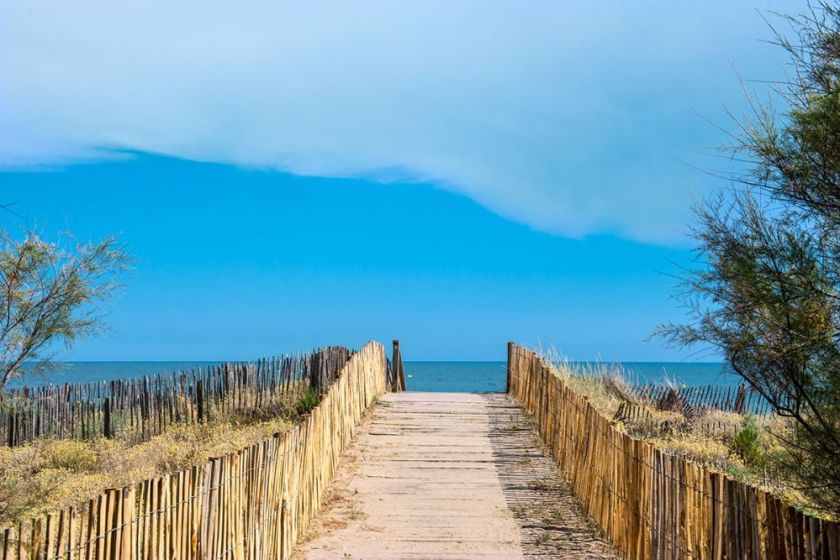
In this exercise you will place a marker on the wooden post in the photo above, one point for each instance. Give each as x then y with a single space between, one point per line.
396 362
199 398
107 418
509 366
284 549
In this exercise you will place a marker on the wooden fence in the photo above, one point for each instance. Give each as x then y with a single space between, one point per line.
145 406
252 504
690 400
652 504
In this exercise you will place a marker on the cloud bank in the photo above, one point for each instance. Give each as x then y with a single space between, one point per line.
572 117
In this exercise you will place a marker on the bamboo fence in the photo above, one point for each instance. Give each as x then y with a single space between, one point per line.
652 504
145 406
252 504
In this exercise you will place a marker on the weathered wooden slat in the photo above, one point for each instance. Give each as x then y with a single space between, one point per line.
682 509
145 406
219 510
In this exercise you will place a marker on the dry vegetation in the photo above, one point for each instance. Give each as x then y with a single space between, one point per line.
49 474
746 447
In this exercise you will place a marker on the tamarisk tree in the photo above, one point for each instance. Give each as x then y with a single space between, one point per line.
768 292
48 295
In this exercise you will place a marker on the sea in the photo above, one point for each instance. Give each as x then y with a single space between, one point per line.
472 377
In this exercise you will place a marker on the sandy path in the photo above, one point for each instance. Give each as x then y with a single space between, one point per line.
449 476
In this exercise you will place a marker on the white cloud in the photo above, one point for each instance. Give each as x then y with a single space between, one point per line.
568 116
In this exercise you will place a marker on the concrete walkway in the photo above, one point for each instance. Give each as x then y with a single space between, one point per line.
449 476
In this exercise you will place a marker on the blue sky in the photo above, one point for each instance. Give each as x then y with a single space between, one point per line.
457 174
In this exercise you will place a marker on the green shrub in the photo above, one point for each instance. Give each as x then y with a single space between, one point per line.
747 443
308 400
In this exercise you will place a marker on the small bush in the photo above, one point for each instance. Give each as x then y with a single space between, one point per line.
308 401
69 454
747 443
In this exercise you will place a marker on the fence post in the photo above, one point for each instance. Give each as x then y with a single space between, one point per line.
399 373
107 417
199 400
509 362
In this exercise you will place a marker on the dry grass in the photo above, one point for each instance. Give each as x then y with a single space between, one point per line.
707 438
49 474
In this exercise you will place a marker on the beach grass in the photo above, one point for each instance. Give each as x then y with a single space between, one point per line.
745 447
51 474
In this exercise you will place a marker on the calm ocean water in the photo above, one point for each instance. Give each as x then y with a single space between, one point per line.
421 376
490 376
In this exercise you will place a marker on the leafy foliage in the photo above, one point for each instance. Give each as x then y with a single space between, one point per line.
308 401
747 443
768 295
48 294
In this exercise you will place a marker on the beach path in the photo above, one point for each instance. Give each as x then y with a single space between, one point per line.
449 476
